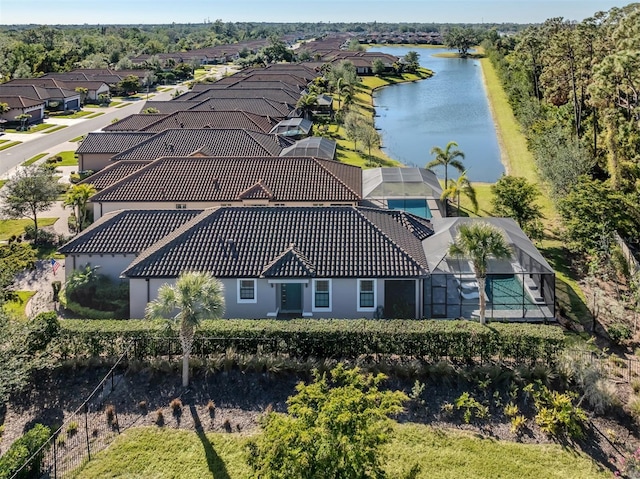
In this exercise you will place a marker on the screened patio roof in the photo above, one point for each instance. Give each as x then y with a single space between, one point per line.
312 146
526 257
400 182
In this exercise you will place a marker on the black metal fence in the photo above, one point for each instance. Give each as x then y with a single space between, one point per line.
87 430
616 368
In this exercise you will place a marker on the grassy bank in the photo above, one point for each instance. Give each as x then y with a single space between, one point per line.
356 155
438 453
519 161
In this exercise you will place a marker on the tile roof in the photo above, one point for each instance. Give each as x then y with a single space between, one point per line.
127 231
20 101
28 91
279 95
198 179
328 242
213 119
112 173
259 106
111 142
136 122
216 142
170 106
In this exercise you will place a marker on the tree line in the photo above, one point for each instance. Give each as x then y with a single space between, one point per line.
574 89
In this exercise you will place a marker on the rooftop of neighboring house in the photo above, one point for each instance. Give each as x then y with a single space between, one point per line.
200 179
203 142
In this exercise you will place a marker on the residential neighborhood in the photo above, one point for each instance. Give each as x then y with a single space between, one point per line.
211 229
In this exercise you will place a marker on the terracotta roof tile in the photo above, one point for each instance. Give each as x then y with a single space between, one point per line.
127 231
219 180
249 241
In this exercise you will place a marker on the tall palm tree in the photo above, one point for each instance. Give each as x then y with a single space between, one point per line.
195 296
478 242
446 158
78 197
456 187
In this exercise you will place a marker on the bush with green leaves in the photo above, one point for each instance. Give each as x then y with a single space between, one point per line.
21 451
557 415
471 407
334 427
619 332
458 341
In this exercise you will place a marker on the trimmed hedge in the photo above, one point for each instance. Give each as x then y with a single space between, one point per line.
21 450
464 341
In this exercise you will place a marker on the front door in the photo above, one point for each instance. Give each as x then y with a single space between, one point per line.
291 298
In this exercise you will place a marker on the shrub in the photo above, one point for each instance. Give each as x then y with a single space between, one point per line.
21 450
211 407
159 417
459 341
142 405
42 330
557 416
472 408
591 379
176 406
619 332
518 424
110 413
634 407
630 466
72 428
511 410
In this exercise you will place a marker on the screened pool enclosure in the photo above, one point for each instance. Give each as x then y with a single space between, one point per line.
522 287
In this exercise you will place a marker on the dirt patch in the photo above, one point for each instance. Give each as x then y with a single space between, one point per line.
233 402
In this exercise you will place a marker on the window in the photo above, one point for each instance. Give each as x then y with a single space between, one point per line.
181 206
321 295
366 295
247 291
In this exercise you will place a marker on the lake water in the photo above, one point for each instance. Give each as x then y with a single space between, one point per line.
450 106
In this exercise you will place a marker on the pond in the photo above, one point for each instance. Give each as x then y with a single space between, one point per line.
450 106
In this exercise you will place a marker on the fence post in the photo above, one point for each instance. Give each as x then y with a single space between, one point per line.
86 428
55 459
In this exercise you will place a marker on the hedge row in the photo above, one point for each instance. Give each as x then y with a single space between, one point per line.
21 451
339 339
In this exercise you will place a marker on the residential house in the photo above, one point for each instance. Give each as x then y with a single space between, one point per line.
19 105
199 182
55 98
97 148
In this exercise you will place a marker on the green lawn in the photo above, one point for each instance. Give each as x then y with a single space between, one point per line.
2 183
9 228
32 128
78 114
77 139
31 161
9 144
16 309
440 454
123 105
95 115
59 127
68 158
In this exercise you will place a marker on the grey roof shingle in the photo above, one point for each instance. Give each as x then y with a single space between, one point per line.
127 231
279 95
212 142
112 173
111 142
254 241
136 122
201 179
259 106
169 106
194 119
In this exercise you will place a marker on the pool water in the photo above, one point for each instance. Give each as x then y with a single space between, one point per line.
506 292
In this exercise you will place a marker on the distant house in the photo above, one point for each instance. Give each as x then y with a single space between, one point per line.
194 183
94 88
97 148
55 98
19 105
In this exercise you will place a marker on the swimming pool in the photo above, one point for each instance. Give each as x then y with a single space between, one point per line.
507 292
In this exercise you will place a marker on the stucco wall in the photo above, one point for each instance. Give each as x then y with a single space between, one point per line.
109 265
93 161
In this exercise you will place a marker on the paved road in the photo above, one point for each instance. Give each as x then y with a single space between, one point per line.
12 157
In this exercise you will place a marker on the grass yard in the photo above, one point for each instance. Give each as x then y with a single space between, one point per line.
16 309
31 161
68 158
95 115
9 228
440 454
59 127
78 114
32 128
77 139
519 162
2 183
122 105
9 144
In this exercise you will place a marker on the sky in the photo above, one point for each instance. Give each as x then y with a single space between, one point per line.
52 12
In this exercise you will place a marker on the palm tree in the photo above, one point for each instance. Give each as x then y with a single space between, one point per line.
306 103
446 158
478 242
195 296
78 197
456 187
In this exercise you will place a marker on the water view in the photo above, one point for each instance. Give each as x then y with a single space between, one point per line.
451 105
